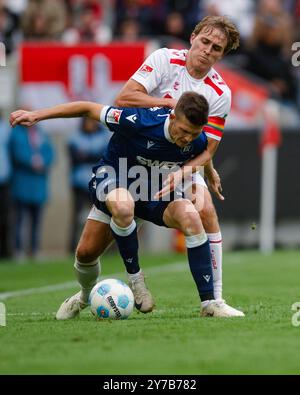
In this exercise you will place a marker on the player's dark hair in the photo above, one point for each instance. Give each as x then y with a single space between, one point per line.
225 25
194 107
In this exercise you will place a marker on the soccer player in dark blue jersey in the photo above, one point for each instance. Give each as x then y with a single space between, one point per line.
146 139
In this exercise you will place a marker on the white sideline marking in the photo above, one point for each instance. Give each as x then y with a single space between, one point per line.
173 267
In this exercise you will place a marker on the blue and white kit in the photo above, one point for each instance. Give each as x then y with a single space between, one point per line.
141 138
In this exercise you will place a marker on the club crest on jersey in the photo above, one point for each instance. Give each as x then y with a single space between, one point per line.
176 86
113 116
187 148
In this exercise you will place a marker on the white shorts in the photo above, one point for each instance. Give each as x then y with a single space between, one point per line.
98 215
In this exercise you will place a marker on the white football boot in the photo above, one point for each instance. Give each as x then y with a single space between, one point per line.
142 297
70 308
218 308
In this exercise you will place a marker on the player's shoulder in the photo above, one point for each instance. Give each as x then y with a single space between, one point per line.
170 54
154 113
177 56
214 80
146 116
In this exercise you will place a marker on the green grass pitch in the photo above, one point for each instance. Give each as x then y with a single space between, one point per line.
173 339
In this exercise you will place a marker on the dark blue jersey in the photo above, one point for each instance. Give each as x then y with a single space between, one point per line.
141 141
142 137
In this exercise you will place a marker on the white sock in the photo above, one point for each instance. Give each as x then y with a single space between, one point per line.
87 276
215 244
134 275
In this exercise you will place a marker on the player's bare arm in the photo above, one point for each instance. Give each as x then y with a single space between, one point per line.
134 94
184 172
213 178
67 110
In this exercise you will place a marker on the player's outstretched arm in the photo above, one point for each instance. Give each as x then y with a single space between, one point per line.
67 110
134 94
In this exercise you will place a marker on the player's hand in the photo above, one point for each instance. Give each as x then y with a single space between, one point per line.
214 183
22 117
169 184
171 103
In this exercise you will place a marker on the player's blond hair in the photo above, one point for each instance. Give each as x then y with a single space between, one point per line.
225 25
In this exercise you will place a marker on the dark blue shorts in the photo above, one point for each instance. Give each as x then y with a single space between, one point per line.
147 209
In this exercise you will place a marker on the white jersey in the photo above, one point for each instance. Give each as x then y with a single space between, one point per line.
163 74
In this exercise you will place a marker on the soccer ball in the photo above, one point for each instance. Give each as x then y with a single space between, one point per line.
111 299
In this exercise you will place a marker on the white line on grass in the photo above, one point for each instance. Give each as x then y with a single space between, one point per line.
173 267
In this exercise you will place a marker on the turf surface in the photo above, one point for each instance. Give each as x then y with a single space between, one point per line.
171 340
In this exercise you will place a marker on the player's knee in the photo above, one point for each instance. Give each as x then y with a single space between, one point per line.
123 210
187 218
86 254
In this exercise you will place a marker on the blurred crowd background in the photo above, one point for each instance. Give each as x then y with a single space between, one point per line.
268 28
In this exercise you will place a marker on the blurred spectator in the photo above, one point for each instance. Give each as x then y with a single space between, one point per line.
270 49
150 15
129 31
240 12
16 6
175 26
86 148
175 33
32 156
188 9
44 19
5 206
293 8
88 27
9 25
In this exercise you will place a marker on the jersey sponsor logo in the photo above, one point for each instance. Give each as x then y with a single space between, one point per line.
150 144
154 108
162 115
113 116
132 118
157 163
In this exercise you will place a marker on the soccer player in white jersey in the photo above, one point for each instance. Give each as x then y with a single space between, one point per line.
160 81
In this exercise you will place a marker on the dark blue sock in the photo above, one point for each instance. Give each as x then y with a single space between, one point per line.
128 245
200 265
